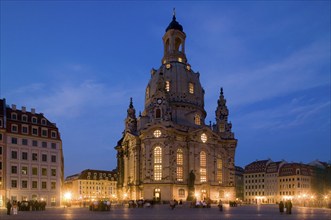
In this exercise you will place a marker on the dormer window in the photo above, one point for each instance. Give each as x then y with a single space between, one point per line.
191 88
34 120
24 118
43 121
13 116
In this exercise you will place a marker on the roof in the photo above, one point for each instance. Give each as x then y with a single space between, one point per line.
258 166
174 25
290 169
90 174
273 167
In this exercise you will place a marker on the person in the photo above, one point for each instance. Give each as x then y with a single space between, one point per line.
172 204
281 207
15 208
8 207
220 206
289 207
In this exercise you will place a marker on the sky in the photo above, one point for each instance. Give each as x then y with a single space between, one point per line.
79 62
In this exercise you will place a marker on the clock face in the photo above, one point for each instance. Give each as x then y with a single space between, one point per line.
159 101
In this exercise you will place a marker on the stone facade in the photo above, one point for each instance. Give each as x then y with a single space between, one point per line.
168 152
90 185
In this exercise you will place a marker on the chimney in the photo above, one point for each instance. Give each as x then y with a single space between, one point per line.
13 107
33 111
23 109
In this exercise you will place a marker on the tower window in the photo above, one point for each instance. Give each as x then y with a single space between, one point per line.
167 86
197 119
191 88
180 59
158 113
203 137
157 133
147 92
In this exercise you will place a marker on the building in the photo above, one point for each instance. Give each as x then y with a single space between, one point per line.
90 185
168 152
321 181
295 183
31 157
254 181
239 183
272 183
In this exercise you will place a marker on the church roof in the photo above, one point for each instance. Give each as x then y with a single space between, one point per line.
174 25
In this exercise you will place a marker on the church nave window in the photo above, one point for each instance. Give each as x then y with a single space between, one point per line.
219 169
203 168
180 162
157 163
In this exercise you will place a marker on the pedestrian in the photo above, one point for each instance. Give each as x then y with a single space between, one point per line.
281 207
8 207
15 208
220 206
289 207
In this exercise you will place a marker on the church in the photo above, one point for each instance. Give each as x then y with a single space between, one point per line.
169 152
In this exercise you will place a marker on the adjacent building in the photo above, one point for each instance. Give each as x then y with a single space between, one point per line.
168 151
90 185
31 157
239 183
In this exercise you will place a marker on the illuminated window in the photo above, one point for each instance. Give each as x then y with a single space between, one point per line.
167 87
157 133
219 169
147 92
203 137
203 169
197 119
191 88
180 59
168 65
181 193
188 67
180 161
157 163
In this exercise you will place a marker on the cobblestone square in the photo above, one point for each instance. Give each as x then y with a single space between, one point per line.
164 212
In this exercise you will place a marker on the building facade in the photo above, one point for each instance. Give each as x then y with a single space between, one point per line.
91 185
168 152
31 157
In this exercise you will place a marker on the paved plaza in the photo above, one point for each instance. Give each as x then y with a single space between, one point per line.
164 212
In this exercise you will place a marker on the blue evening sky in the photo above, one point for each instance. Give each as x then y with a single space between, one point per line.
79 62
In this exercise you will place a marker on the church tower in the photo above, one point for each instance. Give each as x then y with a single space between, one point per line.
168 152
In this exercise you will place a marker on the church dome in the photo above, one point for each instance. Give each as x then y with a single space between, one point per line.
174 25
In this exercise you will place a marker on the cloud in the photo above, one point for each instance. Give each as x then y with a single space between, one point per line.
304 69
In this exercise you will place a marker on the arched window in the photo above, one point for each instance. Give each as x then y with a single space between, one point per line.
219 169
157 163
197 119
180 162
181 192
178 44
203 168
